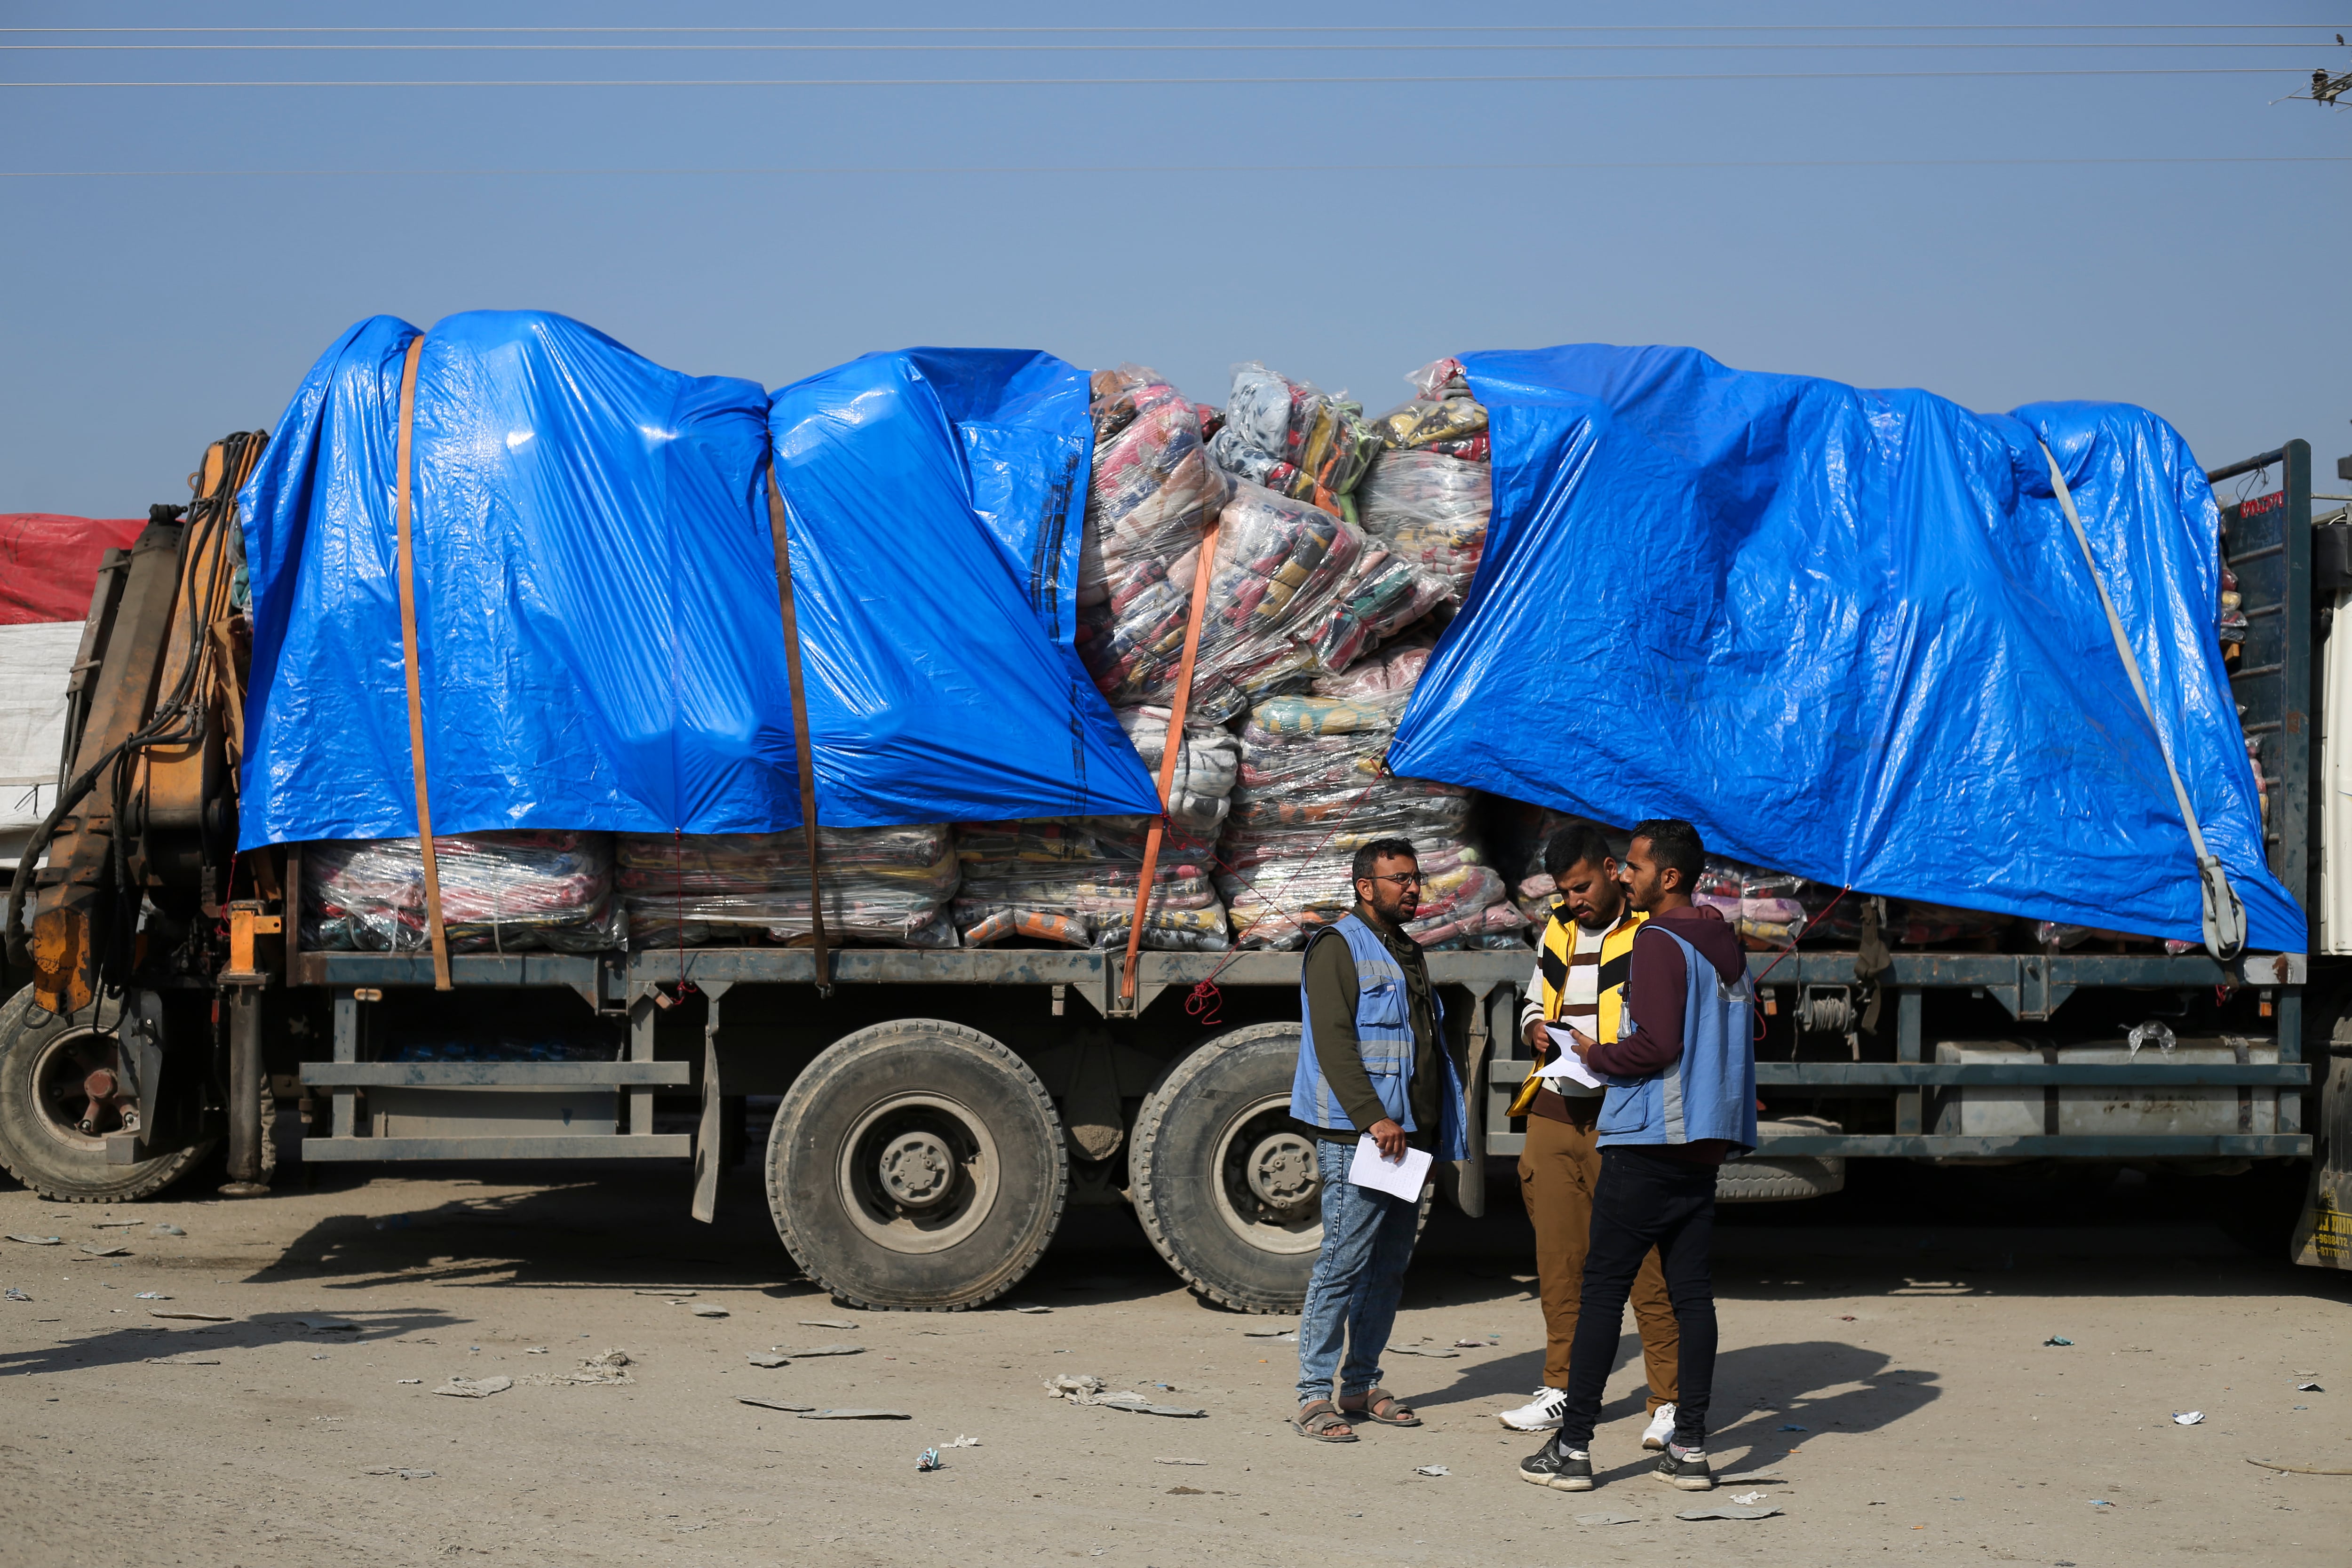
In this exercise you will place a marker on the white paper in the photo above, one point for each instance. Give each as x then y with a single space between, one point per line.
1568 1064
1401 1178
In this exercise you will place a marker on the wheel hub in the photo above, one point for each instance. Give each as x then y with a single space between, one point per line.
917 1169
1281 1170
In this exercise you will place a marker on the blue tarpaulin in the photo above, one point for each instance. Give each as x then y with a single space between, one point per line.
1849 634
600 641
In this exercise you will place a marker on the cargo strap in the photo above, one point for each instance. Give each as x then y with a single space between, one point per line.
799 723
2225 915
1205 562
400 512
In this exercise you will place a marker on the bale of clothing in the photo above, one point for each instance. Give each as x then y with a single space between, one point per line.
1072 881
1313 791
1429 491
889 886
517 890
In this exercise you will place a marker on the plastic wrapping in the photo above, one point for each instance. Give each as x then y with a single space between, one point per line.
1860 642
599 637
1151 490
500 892
882 885
1208 764
1312 793
1074 882
1296 592
1431 510
1294 437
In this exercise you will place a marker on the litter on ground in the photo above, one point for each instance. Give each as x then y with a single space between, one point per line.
1179 1461
37 1240
1431 1470
928 1460
1727 1511
826 1323
818 1350
2187 1417
767 1358
403 1473
182 1360
1606 1519
169 1230
193 1316
709 1312
475 1388
856 1416
773 1404
2057 1340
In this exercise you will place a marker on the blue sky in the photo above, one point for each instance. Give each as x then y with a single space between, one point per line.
1876 228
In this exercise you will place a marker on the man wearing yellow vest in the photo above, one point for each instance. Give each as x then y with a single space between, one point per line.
1579 983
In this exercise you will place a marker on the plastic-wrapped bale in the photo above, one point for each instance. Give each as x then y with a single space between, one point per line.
1151 490
1294 592
1073 880
1311 793
1428 493
1207 765
882 885
507 892
1294 439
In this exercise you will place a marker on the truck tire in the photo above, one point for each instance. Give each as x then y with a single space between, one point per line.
43 1061
1771 1180
917 1166
1223 1184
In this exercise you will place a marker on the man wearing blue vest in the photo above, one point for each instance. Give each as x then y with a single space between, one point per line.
1682 1099
1371 1060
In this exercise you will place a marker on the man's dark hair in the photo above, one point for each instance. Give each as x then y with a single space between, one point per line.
1368 857
1674 842
1573 845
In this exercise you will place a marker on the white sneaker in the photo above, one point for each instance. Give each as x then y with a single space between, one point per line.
1661 1429
1540 1414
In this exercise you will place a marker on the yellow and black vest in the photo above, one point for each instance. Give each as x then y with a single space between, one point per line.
1616 966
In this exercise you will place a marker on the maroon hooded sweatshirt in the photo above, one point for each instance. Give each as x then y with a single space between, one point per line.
1655 993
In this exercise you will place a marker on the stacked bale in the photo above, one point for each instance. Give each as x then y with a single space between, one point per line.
509 891
885 885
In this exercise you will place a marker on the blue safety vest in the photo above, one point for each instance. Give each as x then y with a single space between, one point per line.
1385 1039
1708 1091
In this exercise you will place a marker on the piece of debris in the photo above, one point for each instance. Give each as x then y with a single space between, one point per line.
674 1295
536 1349
612 1367
826 1323
767 1358
1432 1351
408 1380
1029 1307
1137 1405
1068 1385
1268 1333
774 1405
709 1312
2057 1340
928 1460
401 1472
1727 1511
1845 1318
1431 1470
1606 1519
858 1416
2101 1503
475 1388
16 1295
2187 1417
1179 1461
169 1230
151 1296
114 1223
1747 1499
320 1356
1470 1344
963 1442
37 1240
96 1251
2299 1469
185 1360
2309 1388
327 1325
820 1350
193 1316
1186 1491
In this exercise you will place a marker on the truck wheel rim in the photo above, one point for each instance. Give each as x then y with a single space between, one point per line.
918 1172
1261 1162
58 1075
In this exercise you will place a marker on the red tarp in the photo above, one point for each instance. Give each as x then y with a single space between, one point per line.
49 563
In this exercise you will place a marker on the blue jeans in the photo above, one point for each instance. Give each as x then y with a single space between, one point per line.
1367 1241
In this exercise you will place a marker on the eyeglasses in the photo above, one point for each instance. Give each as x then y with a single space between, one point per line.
1402 879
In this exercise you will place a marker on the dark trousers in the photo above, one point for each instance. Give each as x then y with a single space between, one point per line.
1645 1200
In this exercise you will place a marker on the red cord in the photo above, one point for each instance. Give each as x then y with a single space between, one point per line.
1785 951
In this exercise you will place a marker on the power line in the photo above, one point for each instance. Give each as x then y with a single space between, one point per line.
1191 81
870 169
1357 28
1414 46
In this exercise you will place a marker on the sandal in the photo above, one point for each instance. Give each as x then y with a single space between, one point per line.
1382 1406
1321 1420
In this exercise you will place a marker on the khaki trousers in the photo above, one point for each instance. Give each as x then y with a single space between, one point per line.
1558 1169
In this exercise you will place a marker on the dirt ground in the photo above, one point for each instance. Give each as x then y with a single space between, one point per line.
1888 1387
